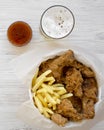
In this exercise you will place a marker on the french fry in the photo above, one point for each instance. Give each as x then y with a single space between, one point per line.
42 90
54 107
38 104
48 110
58 101
50 80
47 94
47 88
43 75
58 85
50 99
45 99
58 88
56 94
35 76
66 95
38 84
46 113
50 105
54 97
42 100
62 92
40 80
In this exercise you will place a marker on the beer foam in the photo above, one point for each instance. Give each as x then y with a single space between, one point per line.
57 22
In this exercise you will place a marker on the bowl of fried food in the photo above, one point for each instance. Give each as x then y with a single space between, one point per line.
64 89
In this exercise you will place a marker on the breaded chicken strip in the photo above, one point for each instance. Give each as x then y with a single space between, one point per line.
66 109
85 71
56 64
88 108
90 88
74 82
59 119
77 103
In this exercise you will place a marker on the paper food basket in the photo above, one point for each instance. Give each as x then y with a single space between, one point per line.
25 66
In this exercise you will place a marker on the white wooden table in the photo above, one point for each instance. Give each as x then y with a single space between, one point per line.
88 32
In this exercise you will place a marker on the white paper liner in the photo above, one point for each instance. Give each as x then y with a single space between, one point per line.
25 66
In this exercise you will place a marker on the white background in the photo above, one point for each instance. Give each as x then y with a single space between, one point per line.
88 33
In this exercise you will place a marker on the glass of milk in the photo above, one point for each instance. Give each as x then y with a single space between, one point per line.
57 22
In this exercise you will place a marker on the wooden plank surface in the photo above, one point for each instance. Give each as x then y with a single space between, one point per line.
88 33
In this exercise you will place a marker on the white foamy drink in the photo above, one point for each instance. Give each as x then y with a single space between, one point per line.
57 22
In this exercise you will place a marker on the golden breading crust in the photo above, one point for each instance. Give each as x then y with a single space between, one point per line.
88 108
66 109
85 71
90 89
58 63
74 82
59 119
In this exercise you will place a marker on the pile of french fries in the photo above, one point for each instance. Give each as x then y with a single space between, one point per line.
46 93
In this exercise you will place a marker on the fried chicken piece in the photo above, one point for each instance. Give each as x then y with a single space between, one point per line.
86 71
57 65
66 109
45 65
90 88
77 103
88 108
74 82
59 119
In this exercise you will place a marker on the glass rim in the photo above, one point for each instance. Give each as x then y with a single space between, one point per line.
41 27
